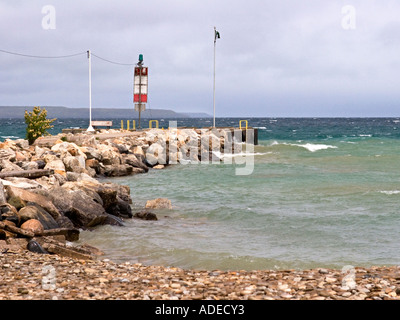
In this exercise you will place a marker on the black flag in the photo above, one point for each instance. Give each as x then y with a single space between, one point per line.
217 36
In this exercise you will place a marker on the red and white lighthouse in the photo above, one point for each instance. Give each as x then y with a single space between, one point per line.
140 85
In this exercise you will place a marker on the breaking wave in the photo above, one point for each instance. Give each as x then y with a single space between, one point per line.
309 146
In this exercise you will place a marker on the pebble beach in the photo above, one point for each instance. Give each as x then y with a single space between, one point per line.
30 276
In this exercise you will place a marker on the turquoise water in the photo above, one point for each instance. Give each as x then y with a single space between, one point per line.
323 193
321 196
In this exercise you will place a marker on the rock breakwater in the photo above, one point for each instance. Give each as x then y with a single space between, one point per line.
54 185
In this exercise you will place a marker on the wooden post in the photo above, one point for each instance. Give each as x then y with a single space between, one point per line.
30 174
19 231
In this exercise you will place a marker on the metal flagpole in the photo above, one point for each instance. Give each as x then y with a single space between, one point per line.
140 92
215 41
90 128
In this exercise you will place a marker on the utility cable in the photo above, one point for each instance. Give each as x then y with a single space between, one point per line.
43 57
64 56
122 64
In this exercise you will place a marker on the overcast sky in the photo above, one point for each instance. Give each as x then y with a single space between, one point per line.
274 58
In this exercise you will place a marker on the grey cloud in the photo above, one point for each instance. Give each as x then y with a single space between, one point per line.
279 54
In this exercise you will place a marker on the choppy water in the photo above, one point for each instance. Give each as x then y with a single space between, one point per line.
323 193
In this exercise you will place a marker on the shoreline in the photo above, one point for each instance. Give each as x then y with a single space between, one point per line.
77 162
32 276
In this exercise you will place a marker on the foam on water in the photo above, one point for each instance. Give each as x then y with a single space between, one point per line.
239 154
308 146
391 192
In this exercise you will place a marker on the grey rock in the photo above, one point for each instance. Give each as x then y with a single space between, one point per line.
134 161
145 215
80 208
34 246
114 221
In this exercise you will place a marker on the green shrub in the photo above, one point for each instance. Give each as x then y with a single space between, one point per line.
37 124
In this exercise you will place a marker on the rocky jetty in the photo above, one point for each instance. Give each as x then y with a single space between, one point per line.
51 188
48 192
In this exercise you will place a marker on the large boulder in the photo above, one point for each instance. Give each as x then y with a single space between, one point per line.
39 152
92 164
68 147
65 222
22 183
121 209
74 163
21 156
57 165
138 150
33 225
22 143
35 212
159 203
114 221
9 213
6 153
88 141
79 207
30 165
145 215
39 199
122 148
136 162
92 153
114 198
120 170
156 154
108 155
7 165
123 191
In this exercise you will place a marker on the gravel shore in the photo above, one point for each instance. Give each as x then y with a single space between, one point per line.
26 275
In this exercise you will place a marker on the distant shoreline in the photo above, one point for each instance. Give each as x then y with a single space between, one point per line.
16 112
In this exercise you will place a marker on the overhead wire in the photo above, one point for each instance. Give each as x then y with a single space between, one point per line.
113 62
42 57
65 56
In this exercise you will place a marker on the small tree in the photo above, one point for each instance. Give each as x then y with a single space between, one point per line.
37 124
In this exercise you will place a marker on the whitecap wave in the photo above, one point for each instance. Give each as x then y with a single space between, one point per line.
274 143
309 146
390 192
239 154
315 147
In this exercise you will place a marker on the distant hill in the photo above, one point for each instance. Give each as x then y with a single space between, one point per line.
99 113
